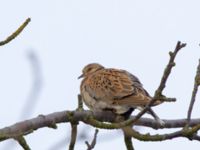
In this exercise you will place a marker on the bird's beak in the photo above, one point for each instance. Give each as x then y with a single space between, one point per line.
81 76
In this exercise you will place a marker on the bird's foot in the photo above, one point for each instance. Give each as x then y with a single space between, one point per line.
160 122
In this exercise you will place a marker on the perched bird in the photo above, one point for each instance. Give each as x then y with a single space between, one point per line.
113 89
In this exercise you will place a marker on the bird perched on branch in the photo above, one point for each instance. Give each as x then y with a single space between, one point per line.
113 89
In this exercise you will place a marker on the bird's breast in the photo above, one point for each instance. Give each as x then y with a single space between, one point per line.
99 104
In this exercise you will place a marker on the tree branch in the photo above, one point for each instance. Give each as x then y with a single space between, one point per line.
194 92
168 68
80 103
128 141
50 120
188 133
164 78
93 143
21 140
73 136
16 33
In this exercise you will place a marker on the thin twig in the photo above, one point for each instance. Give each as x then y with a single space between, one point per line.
73 136
83 134
168 68
194 92
80 103
21 140
93 143
164 78
16 33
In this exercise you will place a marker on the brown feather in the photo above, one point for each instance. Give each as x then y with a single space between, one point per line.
112 88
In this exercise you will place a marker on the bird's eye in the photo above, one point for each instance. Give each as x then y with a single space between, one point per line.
89 69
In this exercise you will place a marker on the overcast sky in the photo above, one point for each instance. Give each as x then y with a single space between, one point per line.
65 35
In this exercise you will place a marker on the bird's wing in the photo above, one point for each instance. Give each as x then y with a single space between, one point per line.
117 87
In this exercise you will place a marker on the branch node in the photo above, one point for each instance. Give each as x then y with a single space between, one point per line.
53 126
173 64
171 53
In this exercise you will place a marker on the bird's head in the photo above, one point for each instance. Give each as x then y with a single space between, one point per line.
89 69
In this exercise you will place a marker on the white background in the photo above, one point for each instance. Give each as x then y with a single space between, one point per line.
65 35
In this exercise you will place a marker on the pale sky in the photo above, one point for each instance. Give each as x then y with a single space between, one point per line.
65 35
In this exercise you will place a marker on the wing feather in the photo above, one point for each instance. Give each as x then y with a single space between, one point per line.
117 87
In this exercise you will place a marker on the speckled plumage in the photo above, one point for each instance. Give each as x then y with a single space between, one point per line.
113 89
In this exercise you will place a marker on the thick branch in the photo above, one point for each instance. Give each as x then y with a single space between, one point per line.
28 126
